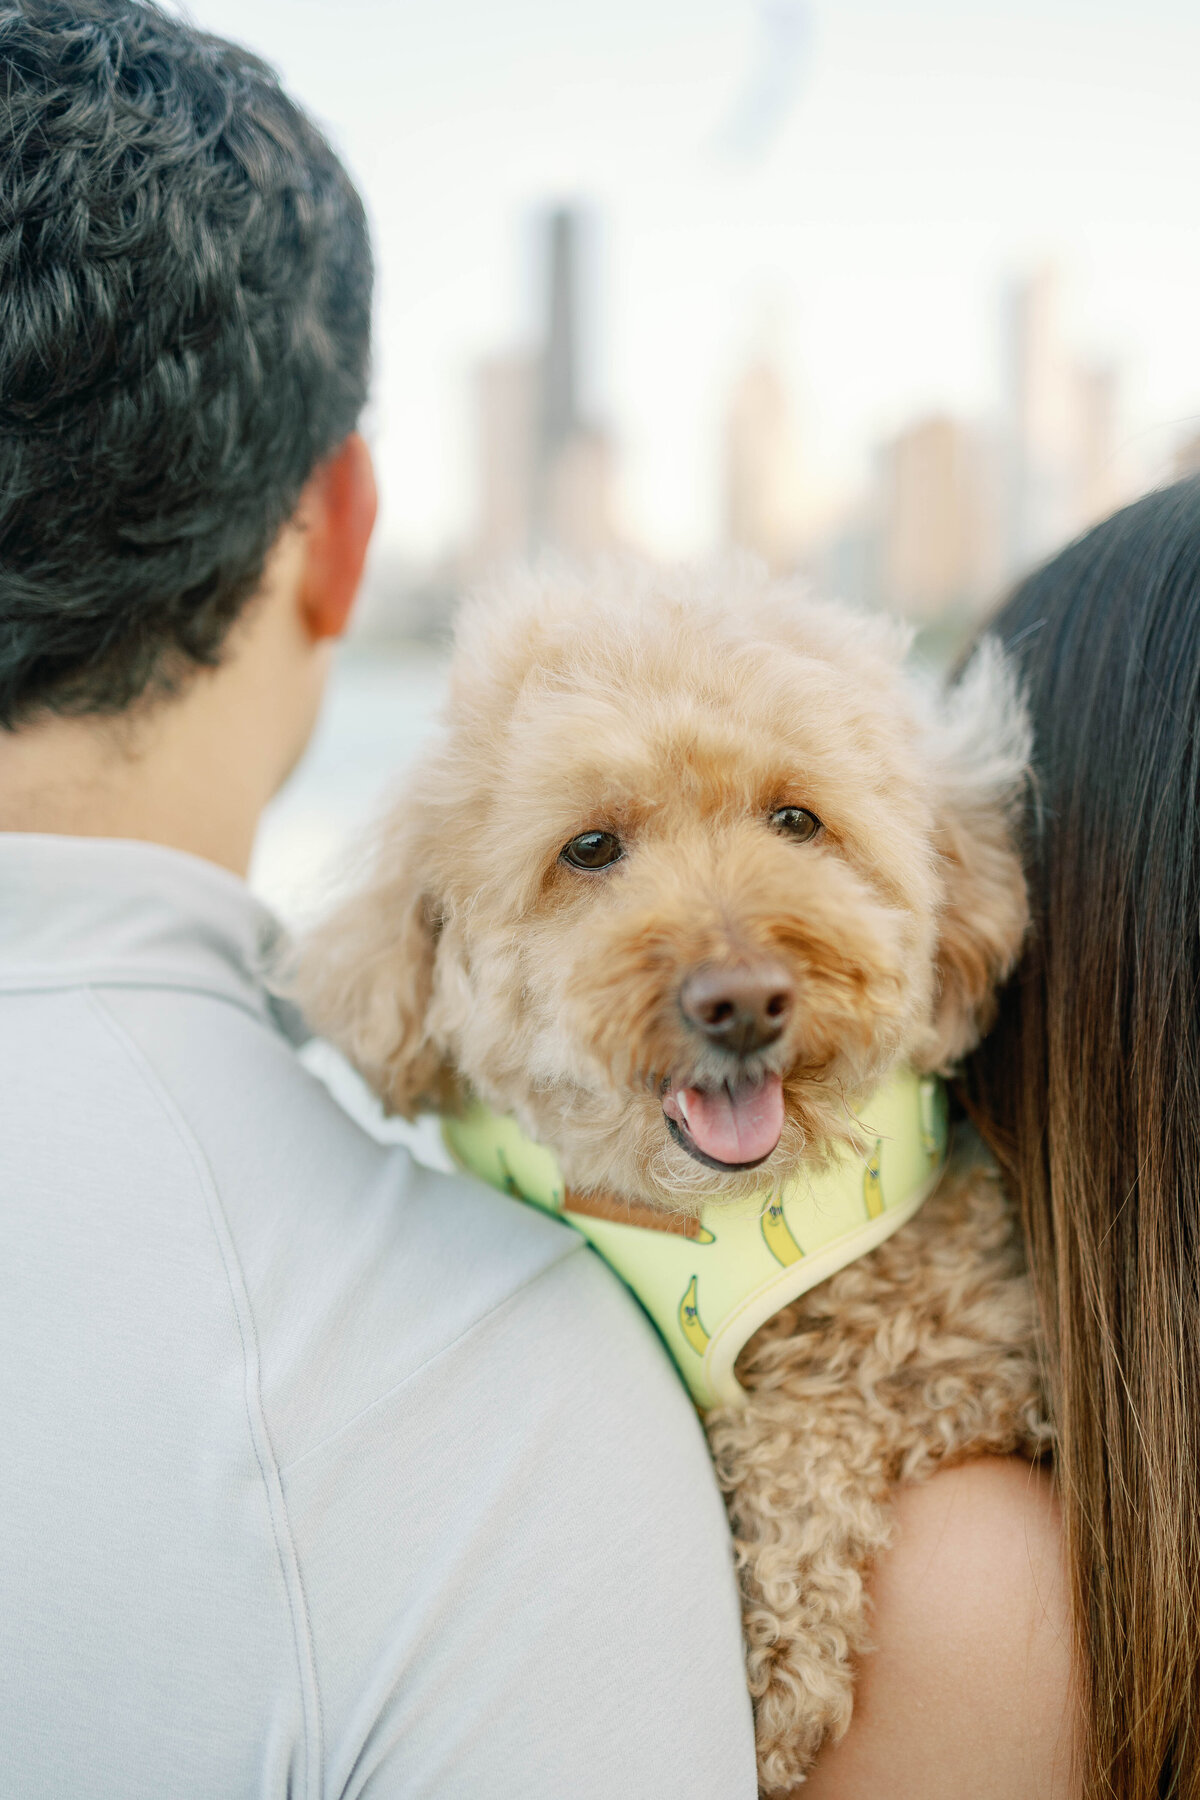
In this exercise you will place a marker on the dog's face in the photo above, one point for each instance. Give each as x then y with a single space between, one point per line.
679 883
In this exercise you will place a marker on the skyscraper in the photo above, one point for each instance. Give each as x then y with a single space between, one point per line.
936 531
545 470
574 462
762 475
1063 464
507 390
560 355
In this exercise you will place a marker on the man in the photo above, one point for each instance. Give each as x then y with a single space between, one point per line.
324 1475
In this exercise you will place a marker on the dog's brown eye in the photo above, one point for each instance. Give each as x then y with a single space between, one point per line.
795 822
592 850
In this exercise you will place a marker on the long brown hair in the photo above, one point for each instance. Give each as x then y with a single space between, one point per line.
1088 1091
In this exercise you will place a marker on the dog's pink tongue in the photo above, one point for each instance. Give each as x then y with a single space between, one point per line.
740 1127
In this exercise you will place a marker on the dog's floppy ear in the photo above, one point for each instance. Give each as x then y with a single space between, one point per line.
981 763
363 978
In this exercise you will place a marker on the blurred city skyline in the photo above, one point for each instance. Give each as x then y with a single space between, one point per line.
948 512
837 194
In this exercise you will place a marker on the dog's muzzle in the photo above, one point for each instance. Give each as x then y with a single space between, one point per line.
739 1008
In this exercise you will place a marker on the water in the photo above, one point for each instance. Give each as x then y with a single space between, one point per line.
378 712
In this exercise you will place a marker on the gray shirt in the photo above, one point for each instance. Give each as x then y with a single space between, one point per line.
323 1474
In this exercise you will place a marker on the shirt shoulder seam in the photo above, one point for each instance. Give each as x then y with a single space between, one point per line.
259 1434
91 981
569 1251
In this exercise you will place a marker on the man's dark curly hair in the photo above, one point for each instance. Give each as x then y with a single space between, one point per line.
185 296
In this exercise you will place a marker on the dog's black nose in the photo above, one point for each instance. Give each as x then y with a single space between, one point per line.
742 1007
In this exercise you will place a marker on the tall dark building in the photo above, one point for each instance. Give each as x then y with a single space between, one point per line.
545 471
560 376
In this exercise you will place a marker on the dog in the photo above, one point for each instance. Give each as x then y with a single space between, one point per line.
698 858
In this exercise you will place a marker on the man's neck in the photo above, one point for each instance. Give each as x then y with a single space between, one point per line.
191 769
116 778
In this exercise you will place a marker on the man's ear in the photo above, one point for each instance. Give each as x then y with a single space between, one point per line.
981 759
337 515
364 980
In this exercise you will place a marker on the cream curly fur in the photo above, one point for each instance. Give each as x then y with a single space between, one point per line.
678 711
917 1355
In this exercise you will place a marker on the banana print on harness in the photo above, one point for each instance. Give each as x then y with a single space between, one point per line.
710 1278
689 1320
777 1233
872 1185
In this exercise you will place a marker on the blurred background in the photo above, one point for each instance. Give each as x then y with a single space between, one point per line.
897 293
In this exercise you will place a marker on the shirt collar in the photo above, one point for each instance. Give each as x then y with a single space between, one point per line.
80 911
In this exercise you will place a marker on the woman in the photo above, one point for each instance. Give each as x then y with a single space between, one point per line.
994 1675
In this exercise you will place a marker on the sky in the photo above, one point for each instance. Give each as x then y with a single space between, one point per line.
848 185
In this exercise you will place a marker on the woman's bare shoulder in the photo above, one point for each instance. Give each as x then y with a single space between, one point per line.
968 1690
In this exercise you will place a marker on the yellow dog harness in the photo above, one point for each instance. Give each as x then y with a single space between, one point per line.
709 1283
